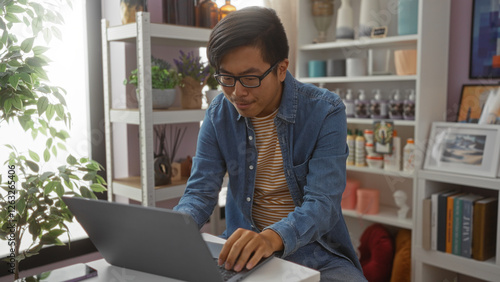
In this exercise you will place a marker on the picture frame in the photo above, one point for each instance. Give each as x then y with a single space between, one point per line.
472 101
463 148
484 59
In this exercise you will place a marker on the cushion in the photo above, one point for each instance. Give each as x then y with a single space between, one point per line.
401 270
376 253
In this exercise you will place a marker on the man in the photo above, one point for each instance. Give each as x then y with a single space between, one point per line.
283 145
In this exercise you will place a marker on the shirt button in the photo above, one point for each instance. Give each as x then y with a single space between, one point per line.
248 199
250 138
250 167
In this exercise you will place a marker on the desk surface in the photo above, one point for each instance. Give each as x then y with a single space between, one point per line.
275 270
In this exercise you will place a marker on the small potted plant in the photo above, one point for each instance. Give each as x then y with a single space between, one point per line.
213 86
164 79
193 73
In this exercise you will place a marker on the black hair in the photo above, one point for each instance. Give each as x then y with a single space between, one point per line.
252 26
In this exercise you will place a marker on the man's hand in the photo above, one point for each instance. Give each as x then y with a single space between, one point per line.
246 248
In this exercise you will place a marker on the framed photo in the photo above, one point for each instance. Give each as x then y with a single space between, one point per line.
473 100
484 59
464 149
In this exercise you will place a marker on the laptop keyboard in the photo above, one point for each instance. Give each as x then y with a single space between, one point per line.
226 274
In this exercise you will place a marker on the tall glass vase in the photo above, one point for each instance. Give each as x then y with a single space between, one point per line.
345 22
368 17
322 14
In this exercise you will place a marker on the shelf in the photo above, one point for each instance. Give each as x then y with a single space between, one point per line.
344 79
130 187
370 121
131 116
387 215
367 42
461 179
485 270
381 171
166 34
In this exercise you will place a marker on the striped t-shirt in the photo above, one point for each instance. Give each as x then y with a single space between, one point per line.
272 199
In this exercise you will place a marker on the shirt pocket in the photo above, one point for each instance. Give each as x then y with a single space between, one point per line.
300 171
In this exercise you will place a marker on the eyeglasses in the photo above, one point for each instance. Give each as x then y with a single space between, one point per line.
249 81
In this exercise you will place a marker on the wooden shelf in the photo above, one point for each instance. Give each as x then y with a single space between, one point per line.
130 187
485 270
131 116
380 171
164 34
370 121
345 79
386 215
461 179
365 43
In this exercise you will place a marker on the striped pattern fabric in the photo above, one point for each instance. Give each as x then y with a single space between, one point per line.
272 199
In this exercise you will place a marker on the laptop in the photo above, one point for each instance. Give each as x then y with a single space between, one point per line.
153 240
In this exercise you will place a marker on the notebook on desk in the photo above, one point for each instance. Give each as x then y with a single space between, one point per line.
152 240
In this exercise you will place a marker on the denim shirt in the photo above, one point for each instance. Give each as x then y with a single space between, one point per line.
311 126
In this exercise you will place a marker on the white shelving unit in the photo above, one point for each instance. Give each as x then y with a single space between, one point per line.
437 266
144 34
430 84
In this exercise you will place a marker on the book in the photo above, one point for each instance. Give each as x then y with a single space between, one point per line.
434 218
467 203
442 205
456 244
484 228
426 223
450 206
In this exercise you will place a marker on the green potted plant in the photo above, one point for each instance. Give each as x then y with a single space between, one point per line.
193 73
30 198
164 79
213 86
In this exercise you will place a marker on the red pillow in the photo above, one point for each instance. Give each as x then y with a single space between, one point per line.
376 253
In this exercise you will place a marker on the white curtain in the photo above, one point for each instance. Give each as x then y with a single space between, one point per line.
287 11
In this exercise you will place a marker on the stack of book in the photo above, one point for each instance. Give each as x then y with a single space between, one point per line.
459 223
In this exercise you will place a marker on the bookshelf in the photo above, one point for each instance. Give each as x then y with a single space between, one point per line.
430 84
435 265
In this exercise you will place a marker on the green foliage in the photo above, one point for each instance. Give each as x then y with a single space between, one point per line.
163 76
28 99
211 81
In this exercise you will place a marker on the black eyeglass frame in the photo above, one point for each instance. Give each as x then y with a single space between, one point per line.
237 78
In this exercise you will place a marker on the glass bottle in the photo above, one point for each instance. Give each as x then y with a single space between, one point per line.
226 9
207 14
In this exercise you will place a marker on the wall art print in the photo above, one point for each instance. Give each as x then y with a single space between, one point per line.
485 39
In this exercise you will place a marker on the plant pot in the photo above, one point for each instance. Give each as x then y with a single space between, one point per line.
191 95
211 94
163 98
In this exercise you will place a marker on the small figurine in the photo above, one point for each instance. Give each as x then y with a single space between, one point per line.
400 198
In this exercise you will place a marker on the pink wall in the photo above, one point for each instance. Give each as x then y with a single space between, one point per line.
459 54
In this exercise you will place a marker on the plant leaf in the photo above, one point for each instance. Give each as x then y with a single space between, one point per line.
96 187
33 166
71 160
46 155
50 112
42 105
49 188
34 156
27 44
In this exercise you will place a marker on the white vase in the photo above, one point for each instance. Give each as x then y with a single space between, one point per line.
368 16
345 22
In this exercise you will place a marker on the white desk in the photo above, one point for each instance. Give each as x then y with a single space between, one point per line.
275 270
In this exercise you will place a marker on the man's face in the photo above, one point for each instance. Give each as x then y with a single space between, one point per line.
253 102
